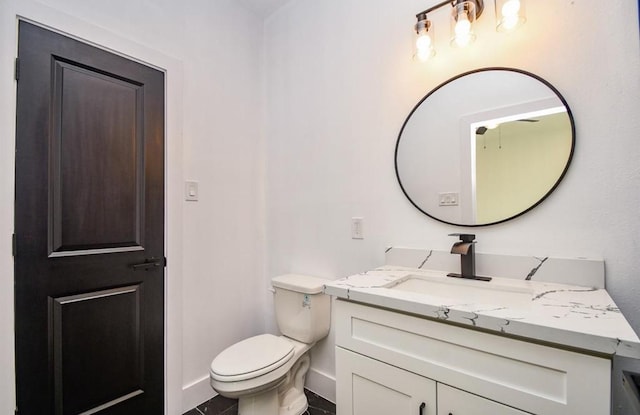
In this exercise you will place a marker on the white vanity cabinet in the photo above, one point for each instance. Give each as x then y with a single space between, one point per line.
390 363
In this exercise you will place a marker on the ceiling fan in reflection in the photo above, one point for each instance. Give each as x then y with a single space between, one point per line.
483 129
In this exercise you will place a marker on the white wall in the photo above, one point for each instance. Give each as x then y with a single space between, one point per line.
341 81
218 266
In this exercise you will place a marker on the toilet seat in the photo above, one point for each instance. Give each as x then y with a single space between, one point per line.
251 358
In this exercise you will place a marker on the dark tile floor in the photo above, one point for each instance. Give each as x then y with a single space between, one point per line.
225 406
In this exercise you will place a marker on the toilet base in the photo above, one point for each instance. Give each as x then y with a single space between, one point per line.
291 395
286 399
260 404
267 403
296 404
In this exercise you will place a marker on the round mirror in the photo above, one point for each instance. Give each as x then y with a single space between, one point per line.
485 147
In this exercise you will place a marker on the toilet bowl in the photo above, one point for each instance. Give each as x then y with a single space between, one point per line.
259 369
266 373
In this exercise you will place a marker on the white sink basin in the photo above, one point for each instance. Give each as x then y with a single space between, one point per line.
497 292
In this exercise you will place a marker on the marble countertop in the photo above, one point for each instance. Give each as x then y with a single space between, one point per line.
567 315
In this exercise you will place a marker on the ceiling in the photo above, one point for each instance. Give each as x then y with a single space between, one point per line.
263 8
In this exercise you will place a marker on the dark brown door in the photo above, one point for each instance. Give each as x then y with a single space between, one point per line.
89 210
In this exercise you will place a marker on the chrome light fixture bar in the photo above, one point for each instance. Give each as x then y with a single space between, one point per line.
464 13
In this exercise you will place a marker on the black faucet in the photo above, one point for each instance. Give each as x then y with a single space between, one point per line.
465 247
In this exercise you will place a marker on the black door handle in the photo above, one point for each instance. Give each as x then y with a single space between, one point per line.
150 263
422 406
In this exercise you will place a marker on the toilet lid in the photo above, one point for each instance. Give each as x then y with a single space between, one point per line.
251 357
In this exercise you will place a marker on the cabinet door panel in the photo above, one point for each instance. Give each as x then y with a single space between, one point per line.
452 401
369 387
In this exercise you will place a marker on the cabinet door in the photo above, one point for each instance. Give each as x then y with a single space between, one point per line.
452 401
365 386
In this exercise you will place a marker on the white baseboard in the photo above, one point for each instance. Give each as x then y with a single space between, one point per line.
196 393
321 384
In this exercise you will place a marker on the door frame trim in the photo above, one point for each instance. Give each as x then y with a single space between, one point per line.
54 20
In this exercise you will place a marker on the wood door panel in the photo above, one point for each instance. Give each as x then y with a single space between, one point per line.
97 348
97 161
89 327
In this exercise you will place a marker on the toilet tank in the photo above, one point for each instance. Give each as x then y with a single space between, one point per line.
303 311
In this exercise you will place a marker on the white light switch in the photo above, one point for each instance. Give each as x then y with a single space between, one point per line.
356 228
191 191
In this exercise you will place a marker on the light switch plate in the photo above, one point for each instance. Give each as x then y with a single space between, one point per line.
191 191
356 228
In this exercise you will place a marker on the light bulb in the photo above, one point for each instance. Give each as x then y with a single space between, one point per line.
511 8
424 54
510 22
462 41
462 30
463 25
512 15
423 42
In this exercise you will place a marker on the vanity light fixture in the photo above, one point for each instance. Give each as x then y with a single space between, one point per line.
510 14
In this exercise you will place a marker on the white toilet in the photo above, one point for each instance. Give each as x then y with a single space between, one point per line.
266 373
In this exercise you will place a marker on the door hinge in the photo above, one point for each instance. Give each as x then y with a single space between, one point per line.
13 245
17 69
164 262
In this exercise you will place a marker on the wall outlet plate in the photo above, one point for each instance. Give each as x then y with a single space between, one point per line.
448 199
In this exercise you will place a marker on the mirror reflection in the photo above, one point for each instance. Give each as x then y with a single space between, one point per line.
484 147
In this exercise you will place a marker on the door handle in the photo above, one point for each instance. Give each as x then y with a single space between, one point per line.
422 406
150 263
